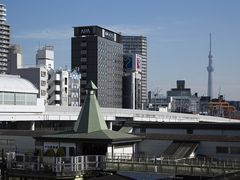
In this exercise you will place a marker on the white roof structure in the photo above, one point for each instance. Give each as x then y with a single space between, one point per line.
14 83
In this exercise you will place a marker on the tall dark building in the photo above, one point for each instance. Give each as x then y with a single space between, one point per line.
138 45
98 54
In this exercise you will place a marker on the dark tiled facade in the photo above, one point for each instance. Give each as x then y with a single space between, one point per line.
98 54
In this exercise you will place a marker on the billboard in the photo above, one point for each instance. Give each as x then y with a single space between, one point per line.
128 63
132 63
138 63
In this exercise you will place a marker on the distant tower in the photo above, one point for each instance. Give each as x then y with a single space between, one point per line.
210 70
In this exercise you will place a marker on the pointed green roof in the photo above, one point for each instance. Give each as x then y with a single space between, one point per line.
91 126
90 118
91 86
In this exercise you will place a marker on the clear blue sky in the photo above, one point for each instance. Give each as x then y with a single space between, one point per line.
177 32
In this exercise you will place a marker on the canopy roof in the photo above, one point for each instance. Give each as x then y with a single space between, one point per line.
102 135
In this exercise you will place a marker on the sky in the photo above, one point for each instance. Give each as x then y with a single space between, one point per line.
177 34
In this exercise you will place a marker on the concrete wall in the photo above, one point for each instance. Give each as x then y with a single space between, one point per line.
209 149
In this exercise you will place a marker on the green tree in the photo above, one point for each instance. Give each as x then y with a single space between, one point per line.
60 152
50 152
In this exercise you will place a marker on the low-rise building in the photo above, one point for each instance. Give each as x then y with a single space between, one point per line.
37 75
183 140
90 135
74 88
58 87
17 96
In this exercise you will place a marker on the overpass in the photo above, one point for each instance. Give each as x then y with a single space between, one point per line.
68 113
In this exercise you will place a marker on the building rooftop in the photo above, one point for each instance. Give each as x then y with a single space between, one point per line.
13 83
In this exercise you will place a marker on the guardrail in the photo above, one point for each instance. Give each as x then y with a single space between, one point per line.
78 164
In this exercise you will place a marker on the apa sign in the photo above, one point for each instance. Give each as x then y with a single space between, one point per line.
85 31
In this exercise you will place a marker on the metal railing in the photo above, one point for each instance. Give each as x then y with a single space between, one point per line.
55 164
123 162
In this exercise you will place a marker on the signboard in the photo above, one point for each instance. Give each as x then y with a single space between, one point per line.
138 62
107 34
128 63
132 63
80 31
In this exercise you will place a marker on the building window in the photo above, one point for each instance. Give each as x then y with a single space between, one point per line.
65 81
20 99
43 74
65 90
43 92
189 131
31 99
222 149
9 99
43 83
1 97
235 150
142 130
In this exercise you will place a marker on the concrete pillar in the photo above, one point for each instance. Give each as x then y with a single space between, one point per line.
110 124
32 126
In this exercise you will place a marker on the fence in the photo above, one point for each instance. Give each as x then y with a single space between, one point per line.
123 162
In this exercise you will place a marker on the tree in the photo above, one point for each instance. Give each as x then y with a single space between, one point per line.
50 152
60 152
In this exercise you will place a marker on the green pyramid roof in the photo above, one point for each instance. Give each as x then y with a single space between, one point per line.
91 86
90 118
91 125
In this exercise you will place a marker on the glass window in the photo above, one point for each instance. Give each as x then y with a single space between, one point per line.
222 149
9 98
235 150
142 130
43 74
1 97
31 99
65 81
43 83
189 131
20 99
43 92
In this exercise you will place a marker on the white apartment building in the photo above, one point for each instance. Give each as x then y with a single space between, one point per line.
4 39
58 87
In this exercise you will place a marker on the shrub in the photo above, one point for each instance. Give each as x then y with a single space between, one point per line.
50 152
60 152
38 152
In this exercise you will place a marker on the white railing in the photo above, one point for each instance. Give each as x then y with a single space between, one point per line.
56 164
